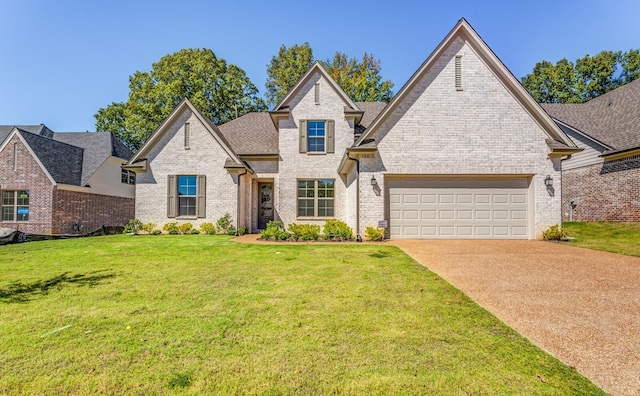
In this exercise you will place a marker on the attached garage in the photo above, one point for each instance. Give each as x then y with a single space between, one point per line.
459 207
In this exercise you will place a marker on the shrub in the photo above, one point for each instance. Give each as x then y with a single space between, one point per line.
374 233
206 228
231 231
223 224
304 232
134 226
156 232
194 231
242 230
171 228
336 229
275 230
149 227
185 228
554 233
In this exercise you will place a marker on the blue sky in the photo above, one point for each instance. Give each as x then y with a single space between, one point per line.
60 61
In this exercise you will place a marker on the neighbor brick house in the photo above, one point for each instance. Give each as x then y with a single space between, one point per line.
60 183
602 183
462 151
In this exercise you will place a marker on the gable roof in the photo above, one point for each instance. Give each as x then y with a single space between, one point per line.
41 129
315 68
251 134
463 28
62 161
612 118
184 105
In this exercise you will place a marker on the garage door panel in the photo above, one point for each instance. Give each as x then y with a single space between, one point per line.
458 208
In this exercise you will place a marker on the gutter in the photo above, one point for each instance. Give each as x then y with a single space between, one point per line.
357 161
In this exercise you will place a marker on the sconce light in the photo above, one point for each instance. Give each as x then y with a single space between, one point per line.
373 181
548 181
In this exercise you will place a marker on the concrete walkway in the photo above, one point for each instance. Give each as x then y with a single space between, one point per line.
580 305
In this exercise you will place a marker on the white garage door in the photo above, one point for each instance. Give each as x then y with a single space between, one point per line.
458 208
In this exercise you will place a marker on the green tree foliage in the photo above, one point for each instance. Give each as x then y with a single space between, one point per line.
588 78
361 81
286 69
218 89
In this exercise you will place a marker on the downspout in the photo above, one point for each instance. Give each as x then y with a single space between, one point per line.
238 201
358 237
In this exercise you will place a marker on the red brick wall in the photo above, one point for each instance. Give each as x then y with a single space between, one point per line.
28 176
604 192
92 211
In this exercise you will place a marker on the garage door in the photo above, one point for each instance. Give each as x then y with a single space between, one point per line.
458 208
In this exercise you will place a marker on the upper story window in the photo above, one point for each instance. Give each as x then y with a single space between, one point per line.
317 136
128 177
15 205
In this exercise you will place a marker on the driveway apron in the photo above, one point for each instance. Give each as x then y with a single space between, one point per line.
580 305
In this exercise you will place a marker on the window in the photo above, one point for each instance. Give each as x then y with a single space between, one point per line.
186 196
15 205
315 133
316 198
128 177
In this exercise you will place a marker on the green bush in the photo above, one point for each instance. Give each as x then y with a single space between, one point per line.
149 227
185 228
171 228
304 232
554 233
275 231
336 229
156 232
223 224
134 226
374 233
194 231
242 230
206 228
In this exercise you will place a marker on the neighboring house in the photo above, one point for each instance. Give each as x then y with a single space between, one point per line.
60 183
602 183
462 151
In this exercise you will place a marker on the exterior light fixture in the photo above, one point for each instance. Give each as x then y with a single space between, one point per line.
373 181
548 181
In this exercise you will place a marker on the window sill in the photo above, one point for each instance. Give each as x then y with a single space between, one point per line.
186 217
316 153
316 218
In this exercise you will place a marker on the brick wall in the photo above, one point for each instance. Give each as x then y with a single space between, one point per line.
604 192
92 211
28 175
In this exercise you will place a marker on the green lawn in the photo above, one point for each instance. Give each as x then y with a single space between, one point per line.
621 238
205 315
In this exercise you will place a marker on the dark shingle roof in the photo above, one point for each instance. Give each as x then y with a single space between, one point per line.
98 146
251 134
62 161
612 118
36 129
371 111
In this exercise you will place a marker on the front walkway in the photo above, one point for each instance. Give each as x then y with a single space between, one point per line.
580 305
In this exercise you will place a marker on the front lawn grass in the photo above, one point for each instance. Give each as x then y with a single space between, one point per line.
623 238
205 315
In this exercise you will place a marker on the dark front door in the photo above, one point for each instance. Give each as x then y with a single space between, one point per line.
265 204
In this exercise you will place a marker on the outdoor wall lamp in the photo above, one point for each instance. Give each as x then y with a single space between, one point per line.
548 181
373 181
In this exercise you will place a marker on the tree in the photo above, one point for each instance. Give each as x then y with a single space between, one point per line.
286 69
361 81
588 78
218 89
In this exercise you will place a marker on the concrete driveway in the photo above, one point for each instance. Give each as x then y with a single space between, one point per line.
580 305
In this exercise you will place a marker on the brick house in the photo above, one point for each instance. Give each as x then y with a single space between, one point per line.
602 182
462 151
62 183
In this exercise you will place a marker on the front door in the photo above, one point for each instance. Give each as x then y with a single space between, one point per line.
265 204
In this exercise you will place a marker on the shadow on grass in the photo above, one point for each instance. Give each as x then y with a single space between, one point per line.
18 292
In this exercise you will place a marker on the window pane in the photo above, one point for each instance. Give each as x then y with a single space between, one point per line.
187 185
325 207
23 213
316 144
325 188
315 133
124 176
187 206
8 197
132 178
305 208
305 188
23 198
7 213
